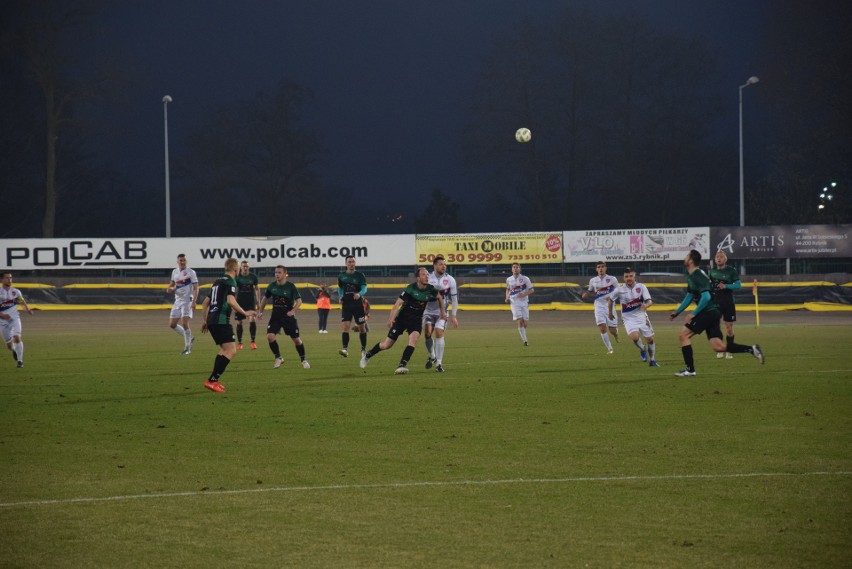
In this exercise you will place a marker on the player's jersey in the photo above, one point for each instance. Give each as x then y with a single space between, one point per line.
351 284
415 299
246 285
696 283
9 299
728 275
631 299
219 311
446 285
517 285
283 297
602 286
183 280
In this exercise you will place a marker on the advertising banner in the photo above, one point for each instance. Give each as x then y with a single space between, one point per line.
625 245
491 248
204 252
783 241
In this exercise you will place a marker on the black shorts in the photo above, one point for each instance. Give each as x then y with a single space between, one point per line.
354 309
726 307
246 303
288 323
221 333
408 324
707 321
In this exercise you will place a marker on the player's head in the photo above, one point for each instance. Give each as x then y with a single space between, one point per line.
721 259
422 275
231 266
7 278
244 268
280 273
516 269
350 263
600 267
693 258
181 260
629 276
439 265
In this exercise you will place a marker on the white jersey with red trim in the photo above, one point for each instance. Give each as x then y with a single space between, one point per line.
183 279
517 285
9 299
446 285
631 299
602 286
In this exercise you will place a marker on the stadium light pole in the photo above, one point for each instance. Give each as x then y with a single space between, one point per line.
751 81
166 100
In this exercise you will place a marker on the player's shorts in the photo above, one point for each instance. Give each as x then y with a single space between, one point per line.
638 323
355 310
707 321
602 316
288 323
221 333
182 307
246 304
405 324
10 328
435 321
520 312
726 307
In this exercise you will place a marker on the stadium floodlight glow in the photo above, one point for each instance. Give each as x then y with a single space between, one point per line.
751 81
166 100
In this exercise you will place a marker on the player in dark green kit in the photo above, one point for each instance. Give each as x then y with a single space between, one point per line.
725 279
407 316
286 300
248 295
351 287
217 315
704 318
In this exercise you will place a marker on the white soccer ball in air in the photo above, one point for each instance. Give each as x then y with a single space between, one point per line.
523 134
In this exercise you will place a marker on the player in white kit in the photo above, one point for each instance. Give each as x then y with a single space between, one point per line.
184 284
635 300
518 291
432 321
10 318
600 286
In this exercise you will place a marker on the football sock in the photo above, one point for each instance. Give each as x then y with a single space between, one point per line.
739 349
687 357
729 340
219 367
18 350
429 343
187 337
439 349
639 344
373 351
523 332
253 330
406 355
345 340
179 330
300 349
363 337
239 333
273 345
652 350
605 338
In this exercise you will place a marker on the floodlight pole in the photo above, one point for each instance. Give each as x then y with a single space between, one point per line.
166 100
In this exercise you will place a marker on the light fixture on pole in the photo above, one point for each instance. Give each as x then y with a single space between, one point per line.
166 100
751 81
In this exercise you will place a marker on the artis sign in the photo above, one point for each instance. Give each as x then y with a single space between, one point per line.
783 241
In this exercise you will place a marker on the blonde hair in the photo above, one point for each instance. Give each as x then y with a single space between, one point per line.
231 265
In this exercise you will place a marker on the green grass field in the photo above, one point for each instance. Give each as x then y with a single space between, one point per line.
556 455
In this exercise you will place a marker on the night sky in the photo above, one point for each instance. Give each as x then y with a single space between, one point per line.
391 78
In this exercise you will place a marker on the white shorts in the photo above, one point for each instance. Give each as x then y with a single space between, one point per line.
520 312
435 321
10 328
602 316
182 307
642 325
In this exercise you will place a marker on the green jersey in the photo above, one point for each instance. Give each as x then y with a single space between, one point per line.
246 286
283 297
219 311
350 284
415 299
696 283
728 275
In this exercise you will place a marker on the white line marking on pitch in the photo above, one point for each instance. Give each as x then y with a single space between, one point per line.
392 485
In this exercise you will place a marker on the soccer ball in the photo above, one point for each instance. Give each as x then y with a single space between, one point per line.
523 134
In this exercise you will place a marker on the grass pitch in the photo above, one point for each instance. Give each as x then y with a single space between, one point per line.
556 455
